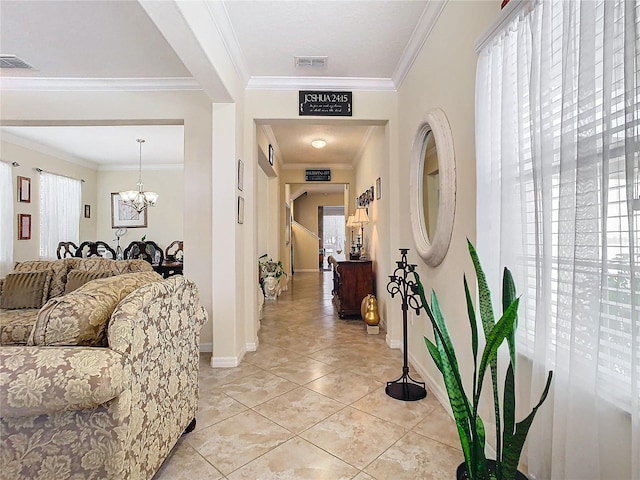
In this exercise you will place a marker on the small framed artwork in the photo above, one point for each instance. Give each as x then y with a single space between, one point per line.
87 211
271 155
24 226
24 189
378 194
240 210
123 215
240 175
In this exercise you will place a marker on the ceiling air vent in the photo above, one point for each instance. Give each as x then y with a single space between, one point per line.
11 61
311 62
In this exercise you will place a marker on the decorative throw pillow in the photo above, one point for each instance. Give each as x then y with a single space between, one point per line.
25 289
58 277
77 278
81 317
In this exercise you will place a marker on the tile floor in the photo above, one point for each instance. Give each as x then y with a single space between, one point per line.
310 404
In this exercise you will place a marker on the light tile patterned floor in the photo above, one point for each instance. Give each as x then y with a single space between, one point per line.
310 404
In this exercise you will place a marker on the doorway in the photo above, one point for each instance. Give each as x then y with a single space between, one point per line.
331 229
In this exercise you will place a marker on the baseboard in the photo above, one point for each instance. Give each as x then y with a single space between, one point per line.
395 344
206 347
433 386
252 346
226 362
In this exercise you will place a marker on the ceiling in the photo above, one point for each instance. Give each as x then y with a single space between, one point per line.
369 44
105 147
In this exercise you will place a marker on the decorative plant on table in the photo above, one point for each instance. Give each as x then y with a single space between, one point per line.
271 273
510 436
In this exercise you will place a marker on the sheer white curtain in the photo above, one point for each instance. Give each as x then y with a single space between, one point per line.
60 199
558 142
6 219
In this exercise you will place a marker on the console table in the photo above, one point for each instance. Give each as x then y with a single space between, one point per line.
352 281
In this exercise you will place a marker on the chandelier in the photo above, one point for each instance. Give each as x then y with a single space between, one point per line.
139 200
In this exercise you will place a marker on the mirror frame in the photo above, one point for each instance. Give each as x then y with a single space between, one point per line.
433 250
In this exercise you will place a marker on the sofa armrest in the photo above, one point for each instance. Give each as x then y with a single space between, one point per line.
44 380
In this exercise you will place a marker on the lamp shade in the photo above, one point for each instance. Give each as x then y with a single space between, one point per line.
361 216
350 220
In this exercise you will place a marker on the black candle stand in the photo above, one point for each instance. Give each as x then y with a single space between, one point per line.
405 388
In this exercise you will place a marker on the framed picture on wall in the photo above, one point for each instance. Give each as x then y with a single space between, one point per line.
24 189
240 175
123 215
240 210
24 226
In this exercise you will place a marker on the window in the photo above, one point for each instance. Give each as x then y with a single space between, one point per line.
60 199
558 153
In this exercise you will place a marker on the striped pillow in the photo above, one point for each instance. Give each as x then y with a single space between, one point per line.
25 290
77 278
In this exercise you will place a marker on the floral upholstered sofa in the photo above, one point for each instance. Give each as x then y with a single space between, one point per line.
107 383
53 278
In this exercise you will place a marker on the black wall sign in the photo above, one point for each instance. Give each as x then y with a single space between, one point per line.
317 175
325 104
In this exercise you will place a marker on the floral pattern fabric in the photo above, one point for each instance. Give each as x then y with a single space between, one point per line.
15 326
80 317
152 360
36 381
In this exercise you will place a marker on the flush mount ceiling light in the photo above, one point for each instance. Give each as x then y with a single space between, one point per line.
139 200
319 143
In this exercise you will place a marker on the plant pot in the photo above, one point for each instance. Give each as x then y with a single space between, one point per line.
461 472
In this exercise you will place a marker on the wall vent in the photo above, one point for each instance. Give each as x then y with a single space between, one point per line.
310 62
12 61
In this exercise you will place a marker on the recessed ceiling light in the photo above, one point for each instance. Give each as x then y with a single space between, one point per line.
318 143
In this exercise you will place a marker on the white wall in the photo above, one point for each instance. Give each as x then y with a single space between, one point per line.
164 221
28 160
373 164
443 76
264 225
268 204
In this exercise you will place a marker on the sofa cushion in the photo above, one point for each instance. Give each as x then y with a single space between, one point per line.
116 267
58 277
25 289
77 278
16 326
81 317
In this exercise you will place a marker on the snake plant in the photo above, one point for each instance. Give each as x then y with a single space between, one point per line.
510 436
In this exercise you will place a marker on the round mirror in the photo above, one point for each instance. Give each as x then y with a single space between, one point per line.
433 187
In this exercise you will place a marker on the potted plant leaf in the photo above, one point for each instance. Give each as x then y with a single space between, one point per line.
510 435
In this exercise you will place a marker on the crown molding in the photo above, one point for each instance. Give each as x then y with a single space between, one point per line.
42 84
303 166
321 83
427 21
46 150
